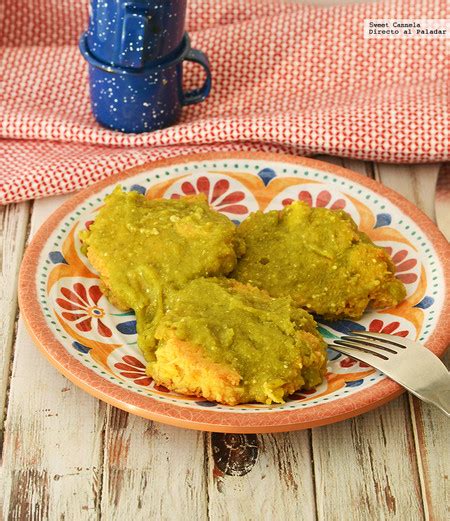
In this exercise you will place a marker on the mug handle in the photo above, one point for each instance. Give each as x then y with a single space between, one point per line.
200 94
135 26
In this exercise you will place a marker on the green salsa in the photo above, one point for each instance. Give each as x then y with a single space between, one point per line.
319 258
273 345
139 245
200 332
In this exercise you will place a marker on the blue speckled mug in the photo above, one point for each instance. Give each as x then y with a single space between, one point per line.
131 33
143 100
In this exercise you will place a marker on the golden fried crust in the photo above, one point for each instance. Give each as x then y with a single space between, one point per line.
232 343
184 368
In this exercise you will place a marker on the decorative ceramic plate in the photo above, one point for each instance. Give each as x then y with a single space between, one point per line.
94 344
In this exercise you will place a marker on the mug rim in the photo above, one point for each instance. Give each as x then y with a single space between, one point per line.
151 67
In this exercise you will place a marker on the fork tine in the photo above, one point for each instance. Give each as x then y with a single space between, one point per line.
368 344
357 345
380 337
416 368
368 358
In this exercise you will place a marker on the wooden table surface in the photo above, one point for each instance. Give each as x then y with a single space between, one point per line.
67 455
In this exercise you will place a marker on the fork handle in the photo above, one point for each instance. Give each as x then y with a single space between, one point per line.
438 395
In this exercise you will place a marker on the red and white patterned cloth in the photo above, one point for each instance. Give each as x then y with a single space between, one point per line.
287 77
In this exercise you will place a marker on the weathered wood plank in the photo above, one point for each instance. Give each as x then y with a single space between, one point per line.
443 200
262 477
279 474
152 471
431 429
364 452
415 182
366 466
430 426
53 435
362 167
13 228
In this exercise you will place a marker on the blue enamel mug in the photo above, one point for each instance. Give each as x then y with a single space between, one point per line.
143 100
130 33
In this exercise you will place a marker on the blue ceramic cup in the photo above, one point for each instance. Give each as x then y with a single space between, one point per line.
131 33
142 100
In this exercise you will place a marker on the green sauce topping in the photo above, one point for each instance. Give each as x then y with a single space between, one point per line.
320 259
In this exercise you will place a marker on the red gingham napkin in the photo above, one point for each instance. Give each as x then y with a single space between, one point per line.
287 77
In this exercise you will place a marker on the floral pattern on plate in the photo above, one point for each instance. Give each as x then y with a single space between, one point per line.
134 369
224 194
80 305
316 196
407 264
103 338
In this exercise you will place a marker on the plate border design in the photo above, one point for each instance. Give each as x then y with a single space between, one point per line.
210 419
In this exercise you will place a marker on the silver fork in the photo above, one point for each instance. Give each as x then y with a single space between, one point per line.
407 362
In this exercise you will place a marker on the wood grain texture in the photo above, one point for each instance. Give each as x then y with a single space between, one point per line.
415 182
433 450
364 452
68 455
275 470
53 435
418 183
152 471
367 466
13 228
262 477
442 201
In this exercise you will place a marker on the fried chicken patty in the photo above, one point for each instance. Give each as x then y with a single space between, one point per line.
319 258
140 245
233 343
